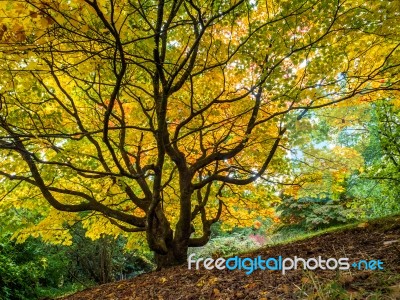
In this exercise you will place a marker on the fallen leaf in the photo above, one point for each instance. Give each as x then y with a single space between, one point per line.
305 280
250 285
216 292
213 280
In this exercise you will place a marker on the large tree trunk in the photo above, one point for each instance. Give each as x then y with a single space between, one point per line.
178 247
168 251
170 248
169 260
176 254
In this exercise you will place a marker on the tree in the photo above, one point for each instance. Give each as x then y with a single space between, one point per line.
157 114
389 131
382 171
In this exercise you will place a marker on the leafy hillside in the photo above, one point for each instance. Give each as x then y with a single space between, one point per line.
379 240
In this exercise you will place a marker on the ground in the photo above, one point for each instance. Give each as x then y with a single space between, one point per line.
378 240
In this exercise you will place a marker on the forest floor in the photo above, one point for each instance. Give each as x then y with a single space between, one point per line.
374 240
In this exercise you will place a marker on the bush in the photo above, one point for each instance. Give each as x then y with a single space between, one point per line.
20 271
225 246
226 243
103 260
313 213
34 269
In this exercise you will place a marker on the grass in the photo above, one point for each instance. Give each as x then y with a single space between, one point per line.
235 244
65 290
287 236
379 286
301 234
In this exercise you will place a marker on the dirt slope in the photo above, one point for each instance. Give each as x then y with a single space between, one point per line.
374 240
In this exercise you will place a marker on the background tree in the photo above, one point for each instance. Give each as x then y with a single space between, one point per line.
377 186
152 116
389 133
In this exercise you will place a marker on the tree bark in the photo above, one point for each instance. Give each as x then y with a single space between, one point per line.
171 247
168 260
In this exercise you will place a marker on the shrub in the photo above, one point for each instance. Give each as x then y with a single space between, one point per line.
20 271
313 213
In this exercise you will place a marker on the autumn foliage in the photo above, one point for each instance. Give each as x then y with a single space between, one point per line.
164 117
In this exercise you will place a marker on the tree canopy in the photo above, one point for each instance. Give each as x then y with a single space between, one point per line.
156 116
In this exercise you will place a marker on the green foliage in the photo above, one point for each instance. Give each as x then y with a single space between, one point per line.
377 198
60 291
313 213
35 269
104 260
376 189
236 240
147 119
21 269
225 246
